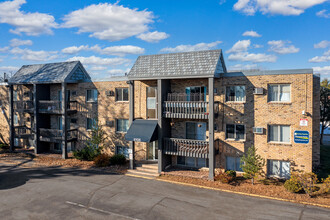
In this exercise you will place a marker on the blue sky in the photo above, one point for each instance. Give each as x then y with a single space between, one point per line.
107 36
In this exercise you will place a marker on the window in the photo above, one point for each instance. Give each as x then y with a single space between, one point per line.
279 168
122 150
279 93
279 133
196 93
15 119
196 130
122 125
233 163
235 131
91 95
91 123
235 94
15 95
59 123
192 162
151 102
121 94
57 147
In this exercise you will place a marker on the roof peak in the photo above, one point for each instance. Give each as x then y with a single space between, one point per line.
194 51
51 63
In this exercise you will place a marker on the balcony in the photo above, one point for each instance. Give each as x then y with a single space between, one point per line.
186 147
23 132
25 106
56 135
55 107
189 106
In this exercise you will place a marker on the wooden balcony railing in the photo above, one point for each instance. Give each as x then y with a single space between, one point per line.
186 147
50 106
23 132
23 105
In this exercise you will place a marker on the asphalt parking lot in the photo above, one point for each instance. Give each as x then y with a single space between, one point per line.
57 193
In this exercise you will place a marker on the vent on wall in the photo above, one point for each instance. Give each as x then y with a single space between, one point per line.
110 93
258 91
258 130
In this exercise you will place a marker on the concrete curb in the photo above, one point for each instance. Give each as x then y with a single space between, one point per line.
230 191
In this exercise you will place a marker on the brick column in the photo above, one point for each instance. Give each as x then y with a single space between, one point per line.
11 118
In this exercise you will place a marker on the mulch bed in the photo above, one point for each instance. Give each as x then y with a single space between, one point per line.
274 189
55 160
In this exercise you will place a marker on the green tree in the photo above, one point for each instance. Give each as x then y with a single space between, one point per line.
324 106
252 164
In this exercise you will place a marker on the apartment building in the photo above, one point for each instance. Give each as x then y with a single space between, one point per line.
182 109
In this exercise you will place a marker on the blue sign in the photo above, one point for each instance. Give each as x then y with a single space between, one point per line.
301 137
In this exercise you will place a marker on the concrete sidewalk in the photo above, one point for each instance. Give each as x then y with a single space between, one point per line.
57 193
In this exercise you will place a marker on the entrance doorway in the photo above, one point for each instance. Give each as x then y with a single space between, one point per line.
152 150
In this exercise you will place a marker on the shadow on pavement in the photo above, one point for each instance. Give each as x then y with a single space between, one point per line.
12 176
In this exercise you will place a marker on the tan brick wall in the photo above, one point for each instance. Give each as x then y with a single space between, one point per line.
4 114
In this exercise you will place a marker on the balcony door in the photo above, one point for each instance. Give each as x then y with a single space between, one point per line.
196 130
152 151
151 102
196 93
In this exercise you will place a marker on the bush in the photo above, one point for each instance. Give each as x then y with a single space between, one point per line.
87 153
308 182
118 159
4 146
293 185
102 160
226 177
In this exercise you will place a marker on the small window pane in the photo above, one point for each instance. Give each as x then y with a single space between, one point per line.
273 133
151 113
285 93
151 103
285 133
91 95
119 95
285 169
239 93
125 94
238 164
190 161
240 132
230 94
230 163
122 125
273 93
122 150
151 92
230 131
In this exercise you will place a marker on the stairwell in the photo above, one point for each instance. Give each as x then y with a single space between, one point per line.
145 170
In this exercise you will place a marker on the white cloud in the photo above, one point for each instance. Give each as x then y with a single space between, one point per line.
282 47
251 34
4 49
27 54
93 60
323 13
240 46
188 47
117 71
325 70
318 59
29 23
153 37
281 7
258 46
252 57
7 69
17 42
110 22
114 50
98 68
322 44
243 67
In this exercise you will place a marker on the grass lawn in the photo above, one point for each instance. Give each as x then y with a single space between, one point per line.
325 162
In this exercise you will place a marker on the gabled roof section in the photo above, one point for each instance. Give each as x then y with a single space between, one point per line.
70 72
196 64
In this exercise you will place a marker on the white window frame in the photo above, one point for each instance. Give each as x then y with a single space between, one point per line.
244 100
279 134
94 93
279 161
117 125
279 92
235 138
121 90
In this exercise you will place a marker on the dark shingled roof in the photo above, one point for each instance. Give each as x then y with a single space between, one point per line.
179 65
48 73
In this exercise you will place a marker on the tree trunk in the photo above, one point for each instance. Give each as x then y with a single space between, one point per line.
252 181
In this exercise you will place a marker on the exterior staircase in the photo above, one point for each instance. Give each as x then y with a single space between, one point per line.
149 170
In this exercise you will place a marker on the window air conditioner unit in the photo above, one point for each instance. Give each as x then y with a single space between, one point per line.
258 130
109 93
258 91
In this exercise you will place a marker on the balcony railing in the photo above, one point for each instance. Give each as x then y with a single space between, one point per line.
186 97
23 132
49 106
56 135
23 105
186 147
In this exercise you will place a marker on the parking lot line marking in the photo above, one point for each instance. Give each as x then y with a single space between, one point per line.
100 210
